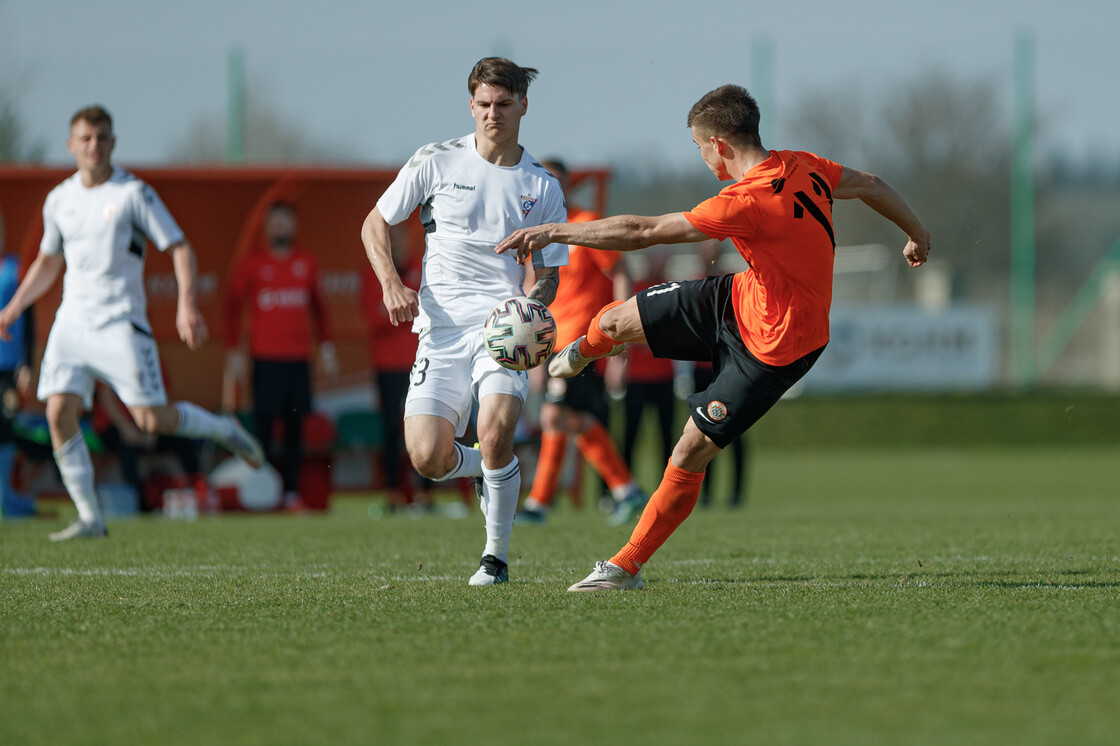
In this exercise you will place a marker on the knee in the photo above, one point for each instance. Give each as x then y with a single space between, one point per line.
428 464
496 445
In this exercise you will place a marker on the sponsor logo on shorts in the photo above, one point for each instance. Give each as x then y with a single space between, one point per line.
717 411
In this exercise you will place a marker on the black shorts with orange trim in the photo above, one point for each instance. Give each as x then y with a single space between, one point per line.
695 320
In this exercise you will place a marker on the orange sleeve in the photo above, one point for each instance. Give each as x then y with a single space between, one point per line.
830 170
723 216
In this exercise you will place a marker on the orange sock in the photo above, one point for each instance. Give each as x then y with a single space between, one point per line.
598 448
549 463
671 503
598 344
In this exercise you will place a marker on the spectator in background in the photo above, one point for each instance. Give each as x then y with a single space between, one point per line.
280 284
15 376
703 374
104 216
576 408
392 350
649 380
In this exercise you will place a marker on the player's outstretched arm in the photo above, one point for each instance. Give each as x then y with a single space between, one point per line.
618 233
883 199
545 285
188 321
401 302
40 276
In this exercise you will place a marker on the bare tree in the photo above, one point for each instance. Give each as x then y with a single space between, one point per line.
268 139
15 146
945 145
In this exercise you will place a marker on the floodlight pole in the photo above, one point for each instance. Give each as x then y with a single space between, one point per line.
1023 364
235 114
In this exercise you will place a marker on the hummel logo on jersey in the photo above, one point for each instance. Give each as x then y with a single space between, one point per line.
463 186
527 203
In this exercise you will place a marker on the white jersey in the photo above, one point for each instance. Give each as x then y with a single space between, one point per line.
102 232
468 205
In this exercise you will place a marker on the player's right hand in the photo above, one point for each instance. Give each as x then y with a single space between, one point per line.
526 240
7 317
402 303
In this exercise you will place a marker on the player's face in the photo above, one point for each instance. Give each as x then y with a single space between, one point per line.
91 144
710 155
497 113
280 228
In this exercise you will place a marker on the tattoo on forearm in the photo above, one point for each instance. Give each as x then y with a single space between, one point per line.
544 289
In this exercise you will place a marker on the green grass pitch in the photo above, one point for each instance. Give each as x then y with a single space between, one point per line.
863 596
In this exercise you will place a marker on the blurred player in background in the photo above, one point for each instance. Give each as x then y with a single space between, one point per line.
280 284
102 217
703 373
649 380
577 407
762 328
392 350
473 191
15 378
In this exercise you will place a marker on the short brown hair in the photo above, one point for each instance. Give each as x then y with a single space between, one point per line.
501 73
92 114
729 112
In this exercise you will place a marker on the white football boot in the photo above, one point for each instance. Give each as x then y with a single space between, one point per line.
81 530
607 576
491 571
569 361
243 445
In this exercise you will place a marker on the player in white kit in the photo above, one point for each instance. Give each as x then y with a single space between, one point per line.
471 190
97 223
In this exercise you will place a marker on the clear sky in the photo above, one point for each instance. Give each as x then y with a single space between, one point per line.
376 79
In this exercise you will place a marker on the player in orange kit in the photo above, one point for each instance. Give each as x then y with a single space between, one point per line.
577 407
763 328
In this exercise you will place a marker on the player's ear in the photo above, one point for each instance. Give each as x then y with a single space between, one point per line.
524 105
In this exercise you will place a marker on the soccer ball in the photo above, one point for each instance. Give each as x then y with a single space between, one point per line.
519 333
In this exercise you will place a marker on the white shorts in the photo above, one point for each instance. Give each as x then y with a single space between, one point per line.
452 371
123 356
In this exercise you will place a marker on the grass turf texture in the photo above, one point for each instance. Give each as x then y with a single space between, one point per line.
863 597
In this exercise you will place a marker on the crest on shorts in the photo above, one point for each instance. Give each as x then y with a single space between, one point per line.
717 411
527 203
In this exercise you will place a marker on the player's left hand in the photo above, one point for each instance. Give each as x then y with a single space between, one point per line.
916 253
527 240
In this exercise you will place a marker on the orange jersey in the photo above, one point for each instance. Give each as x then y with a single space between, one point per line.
585 285
779 217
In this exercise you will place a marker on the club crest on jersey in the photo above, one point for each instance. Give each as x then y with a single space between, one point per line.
717 411
527 204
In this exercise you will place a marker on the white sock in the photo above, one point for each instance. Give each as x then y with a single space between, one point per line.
470 463
500 488
196 422
76 468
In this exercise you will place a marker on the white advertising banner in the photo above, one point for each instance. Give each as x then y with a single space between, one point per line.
901 348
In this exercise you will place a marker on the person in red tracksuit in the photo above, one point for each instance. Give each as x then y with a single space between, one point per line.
392 351
280 285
